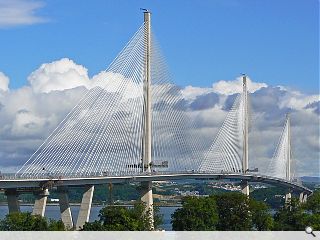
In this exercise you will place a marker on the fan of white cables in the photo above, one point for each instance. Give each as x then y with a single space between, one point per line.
279 162
225 153
103 133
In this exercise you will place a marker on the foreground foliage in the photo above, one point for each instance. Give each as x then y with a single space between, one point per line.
224 212
294 216
200 214
24 221
236 212
116 218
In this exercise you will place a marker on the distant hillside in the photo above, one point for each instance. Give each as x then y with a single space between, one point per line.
310 179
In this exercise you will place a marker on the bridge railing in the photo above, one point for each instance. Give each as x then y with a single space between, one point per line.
14 176
48 175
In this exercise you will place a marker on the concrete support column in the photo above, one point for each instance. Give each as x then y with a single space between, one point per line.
301 197
85 207
65 210
245 187
288 197
146 197
305 197
12 198
40 203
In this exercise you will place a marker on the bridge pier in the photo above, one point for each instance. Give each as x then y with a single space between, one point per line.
288 198
146 197
85 207
303 197
245 187
12 198
40 203
65 210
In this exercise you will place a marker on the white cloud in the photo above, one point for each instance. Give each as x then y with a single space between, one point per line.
58 75
190 92
20 12
65 74
4 82
27 124
297 100
29 114
223 87
235 86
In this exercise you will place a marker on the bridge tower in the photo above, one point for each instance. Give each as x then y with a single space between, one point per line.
245 154
288 155
146 187
287 134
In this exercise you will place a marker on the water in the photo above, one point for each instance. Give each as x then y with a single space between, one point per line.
53 212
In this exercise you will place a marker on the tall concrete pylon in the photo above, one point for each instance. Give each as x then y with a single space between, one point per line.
245 154
85 207
13 200
66 215
288 165
146 187
40 202
288 155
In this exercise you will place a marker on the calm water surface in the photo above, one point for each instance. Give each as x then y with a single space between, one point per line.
53 212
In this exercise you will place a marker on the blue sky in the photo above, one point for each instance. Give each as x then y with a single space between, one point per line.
273 41
207 45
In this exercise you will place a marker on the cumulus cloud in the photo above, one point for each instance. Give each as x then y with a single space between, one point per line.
65 74
190 92
20 12
58 75
297 100
315 107
29 114
223 87
4 82
235 86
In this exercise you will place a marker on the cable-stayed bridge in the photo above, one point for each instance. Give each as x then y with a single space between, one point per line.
133 126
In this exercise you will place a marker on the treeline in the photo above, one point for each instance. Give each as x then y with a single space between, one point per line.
24 221
222 212
236 212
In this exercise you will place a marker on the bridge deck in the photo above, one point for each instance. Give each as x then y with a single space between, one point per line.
80 181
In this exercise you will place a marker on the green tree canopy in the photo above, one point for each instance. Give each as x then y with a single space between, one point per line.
198 214
116 218
24 221
224 212
312 208
290 217
234 212
313 203
260 214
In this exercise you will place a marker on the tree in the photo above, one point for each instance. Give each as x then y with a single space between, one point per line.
261 217
93 226
291 217
56 225
116 218
313 203
196 214
312 208
24 221
234 212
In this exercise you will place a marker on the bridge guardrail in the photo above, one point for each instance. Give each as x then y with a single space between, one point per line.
14 176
